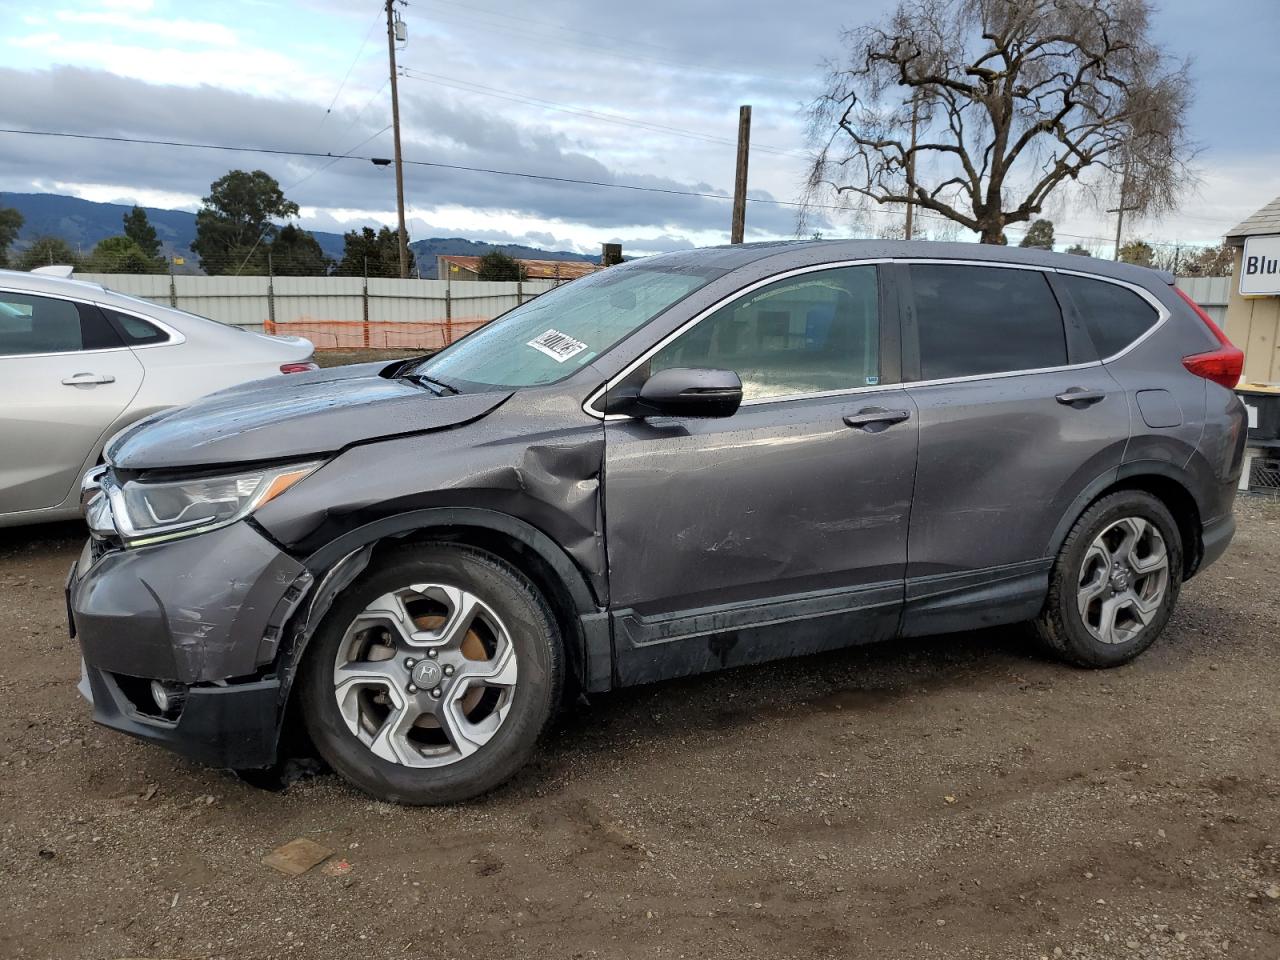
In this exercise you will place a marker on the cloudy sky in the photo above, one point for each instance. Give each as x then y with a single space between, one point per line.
643 94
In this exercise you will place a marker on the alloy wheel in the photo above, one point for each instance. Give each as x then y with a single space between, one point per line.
1124 578
425 675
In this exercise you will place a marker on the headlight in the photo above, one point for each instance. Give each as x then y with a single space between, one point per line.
147 511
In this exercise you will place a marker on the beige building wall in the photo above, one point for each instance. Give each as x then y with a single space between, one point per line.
1253 324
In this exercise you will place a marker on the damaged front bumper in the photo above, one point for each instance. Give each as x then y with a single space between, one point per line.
202 615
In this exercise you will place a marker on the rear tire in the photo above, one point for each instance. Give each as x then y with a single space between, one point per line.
1115 582
433 676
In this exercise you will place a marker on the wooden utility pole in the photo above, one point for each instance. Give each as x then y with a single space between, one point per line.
911 163
395 125
740 179
1121 208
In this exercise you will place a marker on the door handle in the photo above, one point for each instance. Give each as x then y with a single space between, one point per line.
81 379
1081 396
876 415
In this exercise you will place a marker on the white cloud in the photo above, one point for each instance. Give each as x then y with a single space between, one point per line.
193 32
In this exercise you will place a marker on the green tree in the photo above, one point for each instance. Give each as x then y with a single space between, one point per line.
139 229
496 265
10 223
1079 251
1039 235
234 227
121 255
380 251
296 253
1137 251
46 252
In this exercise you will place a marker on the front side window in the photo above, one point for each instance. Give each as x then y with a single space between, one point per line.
32 324
1115 316
973 320
811 333
549 338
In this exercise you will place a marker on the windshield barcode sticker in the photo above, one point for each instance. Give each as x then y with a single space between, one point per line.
556 345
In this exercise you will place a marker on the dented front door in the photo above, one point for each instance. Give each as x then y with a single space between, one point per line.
781 530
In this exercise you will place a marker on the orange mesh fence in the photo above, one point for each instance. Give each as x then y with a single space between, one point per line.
378 334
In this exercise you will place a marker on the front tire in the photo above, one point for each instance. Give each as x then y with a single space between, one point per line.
1115 582
433 676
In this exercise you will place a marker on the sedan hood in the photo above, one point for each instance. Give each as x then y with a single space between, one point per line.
292 416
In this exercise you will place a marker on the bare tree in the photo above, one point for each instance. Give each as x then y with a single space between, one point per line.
1196 261
1013 98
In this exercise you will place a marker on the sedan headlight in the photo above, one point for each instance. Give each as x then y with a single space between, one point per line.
147 511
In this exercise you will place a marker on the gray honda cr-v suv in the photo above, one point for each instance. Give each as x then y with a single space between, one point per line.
679 464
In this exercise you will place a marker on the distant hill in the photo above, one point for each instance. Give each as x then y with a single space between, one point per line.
82 223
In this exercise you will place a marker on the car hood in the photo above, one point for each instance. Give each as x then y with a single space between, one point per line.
292 416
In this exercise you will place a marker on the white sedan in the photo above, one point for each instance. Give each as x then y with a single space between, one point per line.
79 362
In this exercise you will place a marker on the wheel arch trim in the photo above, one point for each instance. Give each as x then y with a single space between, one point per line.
339 562
1129 476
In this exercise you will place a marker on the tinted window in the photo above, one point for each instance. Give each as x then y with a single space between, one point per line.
135 330
976 320
1115 316
806 334
30 324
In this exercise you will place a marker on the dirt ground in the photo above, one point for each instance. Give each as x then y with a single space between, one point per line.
956 797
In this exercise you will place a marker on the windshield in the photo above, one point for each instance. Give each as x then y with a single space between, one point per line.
563 330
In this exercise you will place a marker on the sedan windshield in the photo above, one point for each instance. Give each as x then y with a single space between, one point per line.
552 336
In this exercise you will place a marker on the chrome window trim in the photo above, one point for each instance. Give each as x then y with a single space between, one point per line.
175 336
1162 312
1004 374
821 395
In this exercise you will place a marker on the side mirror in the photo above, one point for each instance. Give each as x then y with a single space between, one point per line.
689 392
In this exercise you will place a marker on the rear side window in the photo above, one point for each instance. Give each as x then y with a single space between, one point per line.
136 331
978 320
32 324
1115 316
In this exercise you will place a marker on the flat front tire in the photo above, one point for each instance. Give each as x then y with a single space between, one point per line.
433 675
1114 583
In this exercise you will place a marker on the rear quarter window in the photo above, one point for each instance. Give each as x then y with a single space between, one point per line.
1115 316
134 330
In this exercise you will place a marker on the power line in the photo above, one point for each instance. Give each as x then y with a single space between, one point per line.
356 59
519 174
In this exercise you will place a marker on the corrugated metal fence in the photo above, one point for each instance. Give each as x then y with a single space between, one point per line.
350 312
1212 293
336 312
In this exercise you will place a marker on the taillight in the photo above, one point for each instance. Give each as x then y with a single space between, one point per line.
1224 365
304 367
